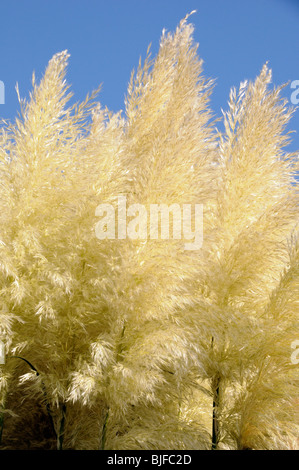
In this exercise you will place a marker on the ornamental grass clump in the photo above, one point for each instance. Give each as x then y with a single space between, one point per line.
115 338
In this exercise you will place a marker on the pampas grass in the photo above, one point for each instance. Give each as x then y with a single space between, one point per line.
142 344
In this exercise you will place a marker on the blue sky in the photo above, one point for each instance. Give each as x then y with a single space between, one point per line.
106 38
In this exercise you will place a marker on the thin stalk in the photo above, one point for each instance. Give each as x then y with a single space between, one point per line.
61 428
216 400
117 359
48 408
25 360
119 347
215 426
104 430
1 425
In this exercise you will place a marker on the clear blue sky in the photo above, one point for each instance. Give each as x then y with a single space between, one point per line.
106 38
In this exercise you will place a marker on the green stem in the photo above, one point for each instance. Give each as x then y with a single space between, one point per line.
48 408
104 430
215 430
216 400
25 360
61 428
1 425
